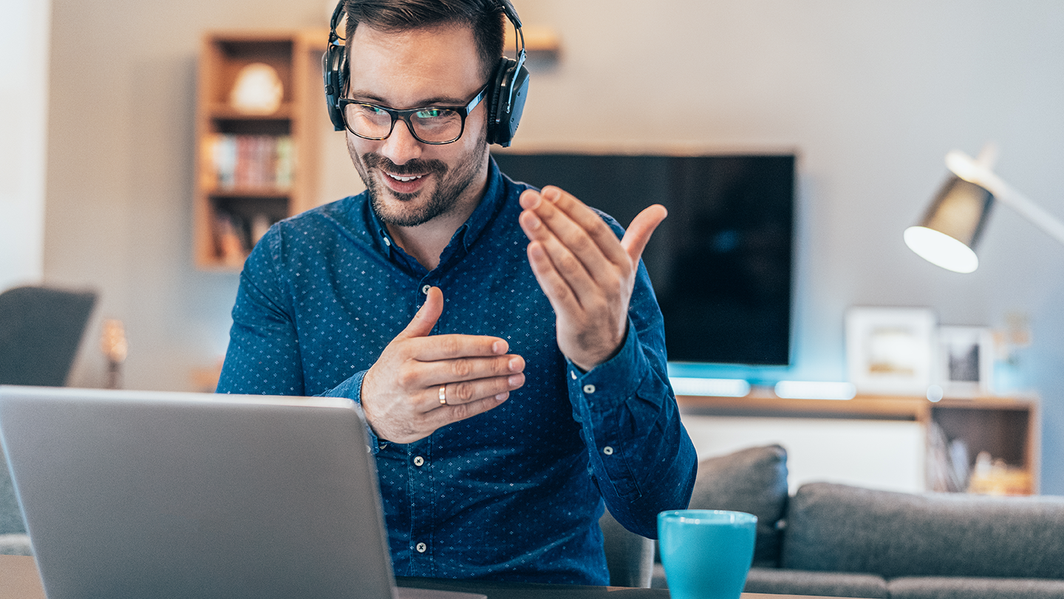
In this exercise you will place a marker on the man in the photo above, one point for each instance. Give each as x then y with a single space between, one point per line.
429 300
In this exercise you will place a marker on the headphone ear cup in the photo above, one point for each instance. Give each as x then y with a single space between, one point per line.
507 101
496 102
333 66
518 95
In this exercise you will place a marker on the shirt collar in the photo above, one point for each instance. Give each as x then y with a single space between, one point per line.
489 206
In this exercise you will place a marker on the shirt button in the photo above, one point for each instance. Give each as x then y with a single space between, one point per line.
419 461
589 389
422 548
425 289
387 242
607 450
573 373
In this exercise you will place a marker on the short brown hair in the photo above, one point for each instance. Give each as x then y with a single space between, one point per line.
485 17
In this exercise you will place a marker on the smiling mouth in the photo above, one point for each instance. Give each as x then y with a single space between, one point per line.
405 178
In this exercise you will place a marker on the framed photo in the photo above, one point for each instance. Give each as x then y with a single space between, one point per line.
890 350
965 361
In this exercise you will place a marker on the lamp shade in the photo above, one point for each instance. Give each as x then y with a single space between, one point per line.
951 227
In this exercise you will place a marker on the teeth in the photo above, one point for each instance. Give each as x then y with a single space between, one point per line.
405 179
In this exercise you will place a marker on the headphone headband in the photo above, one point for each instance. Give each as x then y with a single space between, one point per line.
506 99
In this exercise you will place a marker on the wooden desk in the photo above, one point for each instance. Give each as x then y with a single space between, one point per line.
19 580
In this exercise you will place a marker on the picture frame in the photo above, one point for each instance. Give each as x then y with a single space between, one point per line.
964 361
891 351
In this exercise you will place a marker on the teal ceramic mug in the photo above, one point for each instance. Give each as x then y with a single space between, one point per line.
706 553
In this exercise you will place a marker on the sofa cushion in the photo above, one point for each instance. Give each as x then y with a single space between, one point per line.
752 480
975 588
824 584
10 515
840 528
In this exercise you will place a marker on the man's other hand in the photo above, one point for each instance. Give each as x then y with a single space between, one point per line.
404 393
585 271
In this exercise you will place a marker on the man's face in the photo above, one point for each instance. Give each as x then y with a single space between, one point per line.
409 182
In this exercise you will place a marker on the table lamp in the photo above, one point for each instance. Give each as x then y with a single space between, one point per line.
950 229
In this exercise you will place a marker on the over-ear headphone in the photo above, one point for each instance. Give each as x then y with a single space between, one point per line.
506 97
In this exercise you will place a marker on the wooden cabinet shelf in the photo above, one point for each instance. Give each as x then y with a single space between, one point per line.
1006 428
251 192
252 168
225 112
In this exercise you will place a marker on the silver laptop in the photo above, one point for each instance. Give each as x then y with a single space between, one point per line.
147 494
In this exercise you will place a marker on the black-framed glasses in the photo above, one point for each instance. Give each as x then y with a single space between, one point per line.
433 125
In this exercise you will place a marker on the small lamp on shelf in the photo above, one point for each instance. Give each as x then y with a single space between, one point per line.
258 90
115 348
951 227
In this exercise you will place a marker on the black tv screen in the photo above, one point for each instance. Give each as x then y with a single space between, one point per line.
720 263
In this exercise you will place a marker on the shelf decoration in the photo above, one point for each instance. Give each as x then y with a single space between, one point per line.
258 90
889 350
965 361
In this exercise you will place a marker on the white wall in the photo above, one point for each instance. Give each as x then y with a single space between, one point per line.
24 30
871 94
879 454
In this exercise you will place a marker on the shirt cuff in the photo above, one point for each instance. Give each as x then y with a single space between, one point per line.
615 380
352 389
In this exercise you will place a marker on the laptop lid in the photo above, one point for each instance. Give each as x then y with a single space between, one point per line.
153 494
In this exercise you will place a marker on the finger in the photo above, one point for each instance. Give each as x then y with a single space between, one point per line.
555 286
445 415
425 319
455 394
570 249
469 369
643 226
578 261
582 229
456 347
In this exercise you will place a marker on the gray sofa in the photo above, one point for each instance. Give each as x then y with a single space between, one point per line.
842 541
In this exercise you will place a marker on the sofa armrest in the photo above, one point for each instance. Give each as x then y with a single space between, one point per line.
752 480
629 557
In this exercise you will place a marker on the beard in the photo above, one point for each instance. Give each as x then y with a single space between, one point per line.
413 209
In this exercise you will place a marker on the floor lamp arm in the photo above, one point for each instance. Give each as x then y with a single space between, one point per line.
971 170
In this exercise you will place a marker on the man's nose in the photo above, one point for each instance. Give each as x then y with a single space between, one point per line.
401 146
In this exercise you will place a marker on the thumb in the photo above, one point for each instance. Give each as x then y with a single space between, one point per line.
643 225
422 323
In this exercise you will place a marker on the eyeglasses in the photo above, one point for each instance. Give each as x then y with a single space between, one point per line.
433 125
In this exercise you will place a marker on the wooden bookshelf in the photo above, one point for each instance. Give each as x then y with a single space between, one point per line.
228 217
1005 427
252 169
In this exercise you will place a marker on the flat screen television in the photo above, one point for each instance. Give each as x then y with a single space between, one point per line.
721 263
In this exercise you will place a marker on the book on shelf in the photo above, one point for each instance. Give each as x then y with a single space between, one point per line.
233 162
236 234
228 245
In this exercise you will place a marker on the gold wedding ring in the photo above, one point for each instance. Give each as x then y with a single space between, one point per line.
443 395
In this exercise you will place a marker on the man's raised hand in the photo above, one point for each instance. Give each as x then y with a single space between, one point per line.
586 272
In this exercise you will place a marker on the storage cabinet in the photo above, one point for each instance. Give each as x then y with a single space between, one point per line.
253 161
1005 428
1005 431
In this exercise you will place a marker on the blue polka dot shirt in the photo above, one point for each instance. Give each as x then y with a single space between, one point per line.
514 493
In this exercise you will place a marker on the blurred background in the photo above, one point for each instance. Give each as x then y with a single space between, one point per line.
97 155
